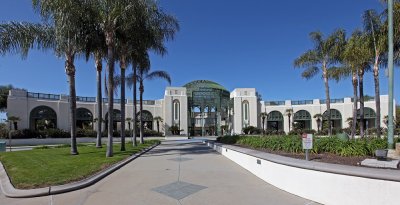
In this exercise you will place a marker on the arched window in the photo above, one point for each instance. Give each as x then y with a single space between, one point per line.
335 115
176 110
147 119
336 119
275 121
302 120
116 116
246 113
302 115
369 117
43 117
84 118
116 119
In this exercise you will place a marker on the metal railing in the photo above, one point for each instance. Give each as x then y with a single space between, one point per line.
117 101
43 96
366 99
85 99
148 102
271 103
302 102
338 100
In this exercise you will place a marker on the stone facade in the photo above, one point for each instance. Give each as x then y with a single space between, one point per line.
175 111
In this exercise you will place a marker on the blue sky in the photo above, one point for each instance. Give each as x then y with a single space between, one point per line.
235 43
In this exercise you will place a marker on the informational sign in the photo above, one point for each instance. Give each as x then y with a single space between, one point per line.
307 141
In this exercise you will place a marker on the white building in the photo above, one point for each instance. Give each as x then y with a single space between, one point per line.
198 108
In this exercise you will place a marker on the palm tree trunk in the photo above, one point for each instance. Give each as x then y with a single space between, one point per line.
377 99
70 70
328 100
289 123
110 65
123 106
134 130
353 126
141 90
263 126
158 126
361 92
99 68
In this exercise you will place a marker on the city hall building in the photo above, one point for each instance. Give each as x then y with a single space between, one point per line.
198 108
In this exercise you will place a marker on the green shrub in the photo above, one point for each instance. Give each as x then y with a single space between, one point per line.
55 133
397 131
302 131
128 133
152 133
228 139
86 133
251 130
174 129
25 134
293 144
3 131
275 132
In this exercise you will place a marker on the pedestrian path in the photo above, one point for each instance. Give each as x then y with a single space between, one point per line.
175 172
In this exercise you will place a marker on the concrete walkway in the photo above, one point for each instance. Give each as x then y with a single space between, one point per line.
176 172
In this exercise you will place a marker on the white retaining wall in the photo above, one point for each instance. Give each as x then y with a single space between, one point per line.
318 186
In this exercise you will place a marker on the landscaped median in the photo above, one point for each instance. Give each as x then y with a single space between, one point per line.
325 149
325 183
46 168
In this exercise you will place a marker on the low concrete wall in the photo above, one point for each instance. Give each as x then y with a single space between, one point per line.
320 182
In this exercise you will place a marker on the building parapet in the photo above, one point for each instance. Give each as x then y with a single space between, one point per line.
302 102
85 99
272 103
338 100
43 96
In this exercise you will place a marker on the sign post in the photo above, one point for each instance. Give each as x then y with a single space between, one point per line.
307 140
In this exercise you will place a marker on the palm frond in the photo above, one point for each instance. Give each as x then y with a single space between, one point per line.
310 72
20 37
307 59
339 73
159 74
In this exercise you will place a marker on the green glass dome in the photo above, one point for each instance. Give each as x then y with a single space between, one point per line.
195 85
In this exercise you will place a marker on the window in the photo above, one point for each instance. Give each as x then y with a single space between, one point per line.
43 117
246 111
176 112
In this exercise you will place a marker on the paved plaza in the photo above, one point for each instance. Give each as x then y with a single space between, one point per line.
175 172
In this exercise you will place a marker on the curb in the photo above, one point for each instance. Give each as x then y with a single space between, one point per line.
10 191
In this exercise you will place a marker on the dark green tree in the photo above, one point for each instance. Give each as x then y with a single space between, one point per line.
324 55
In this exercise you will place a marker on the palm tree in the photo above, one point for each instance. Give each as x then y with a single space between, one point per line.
355 59
263 116
363 64
96 47
377 36
99 101
129 120
113 16
71 20
134 88
14 120
152 35
64 31
318 118
289 113
158 119
123 65
324 55
145 75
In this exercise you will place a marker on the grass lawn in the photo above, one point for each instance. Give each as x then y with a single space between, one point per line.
54 166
